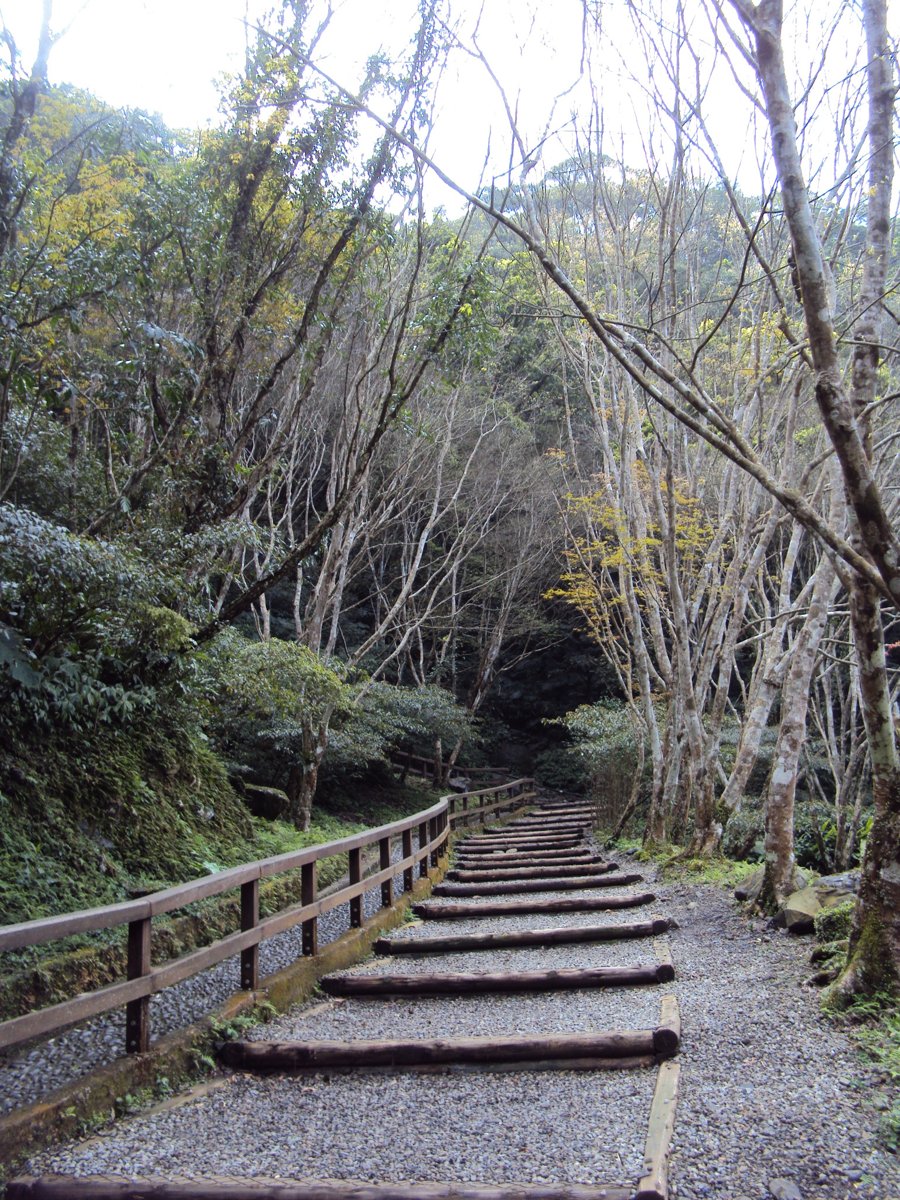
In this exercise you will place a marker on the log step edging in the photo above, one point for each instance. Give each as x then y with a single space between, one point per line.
654 1182
522 937
547 871
110 1187
510 908
549 884
524 1049
459 983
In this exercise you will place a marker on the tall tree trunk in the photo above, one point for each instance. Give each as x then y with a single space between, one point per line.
875 942
780 864
875 937
303 777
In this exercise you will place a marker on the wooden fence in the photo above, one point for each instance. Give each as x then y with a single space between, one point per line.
432 768
434 826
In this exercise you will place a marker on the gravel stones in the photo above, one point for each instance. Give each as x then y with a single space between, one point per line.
770 1090
525 1127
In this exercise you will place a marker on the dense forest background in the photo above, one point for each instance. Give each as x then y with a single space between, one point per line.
296 475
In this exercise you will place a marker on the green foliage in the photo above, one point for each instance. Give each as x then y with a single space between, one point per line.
84 639
88 822
388 717
603 743
833 924
743 835
563 768
873 1022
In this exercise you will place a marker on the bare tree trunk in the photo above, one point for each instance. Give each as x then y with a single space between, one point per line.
780 864
875 942
875 937
303 776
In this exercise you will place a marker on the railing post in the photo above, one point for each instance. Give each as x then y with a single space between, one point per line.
384 860
310 934
407 853
432 835
249 920
137 1012
354 864
423 841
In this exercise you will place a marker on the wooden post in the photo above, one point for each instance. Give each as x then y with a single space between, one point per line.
407 852
356 902
308 896
423 840
137 1012
249 920
384 861
432 834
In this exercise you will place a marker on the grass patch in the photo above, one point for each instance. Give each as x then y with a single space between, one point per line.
874 1025
720 871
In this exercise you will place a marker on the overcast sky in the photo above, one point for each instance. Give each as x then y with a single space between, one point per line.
164 56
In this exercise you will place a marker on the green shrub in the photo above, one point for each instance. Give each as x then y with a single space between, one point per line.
563 768
742 838
833 924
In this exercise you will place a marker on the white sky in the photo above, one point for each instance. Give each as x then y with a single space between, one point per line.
163 55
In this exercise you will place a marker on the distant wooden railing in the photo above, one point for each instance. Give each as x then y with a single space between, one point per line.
434 827
421 764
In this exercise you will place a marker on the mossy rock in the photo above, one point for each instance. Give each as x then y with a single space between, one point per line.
801 909
829 954
271 803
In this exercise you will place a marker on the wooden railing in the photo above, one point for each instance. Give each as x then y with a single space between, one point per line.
434 826
421 764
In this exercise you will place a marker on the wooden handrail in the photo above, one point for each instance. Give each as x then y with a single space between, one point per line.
434 824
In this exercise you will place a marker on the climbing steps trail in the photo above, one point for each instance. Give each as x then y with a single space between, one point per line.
455 1007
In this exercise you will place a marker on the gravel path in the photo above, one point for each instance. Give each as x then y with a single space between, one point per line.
770 1090
523 1127
458 1125
775 1101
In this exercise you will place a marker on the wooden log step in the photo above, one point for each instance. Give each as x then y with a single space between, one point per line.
514 908
518 1048
669 1031
109 1187
561 814
550 884
534 835
545 821
461 983
571 827
531 843
513 852
505 862
566 935
550 870
562 810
